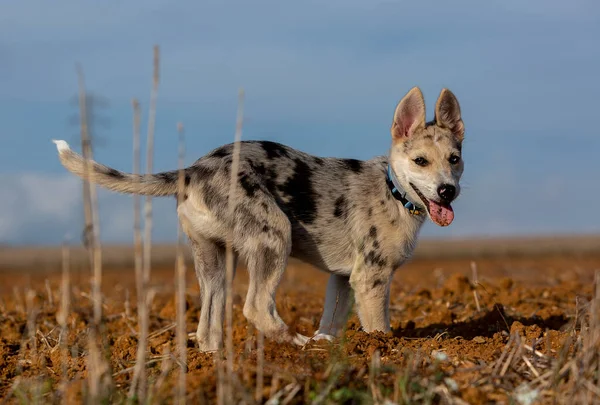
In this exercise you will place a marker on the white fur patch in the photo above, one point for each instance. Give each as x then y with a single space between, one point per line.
62 146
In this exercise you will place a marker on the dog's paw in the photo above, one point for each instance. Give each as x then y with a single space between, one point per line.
323 336
300 340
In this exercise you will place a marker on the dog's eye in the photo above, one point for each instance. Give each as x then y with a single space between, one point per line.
454 159
420 161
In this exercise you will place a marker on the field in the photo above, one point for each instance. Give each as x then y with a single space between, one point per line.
511 321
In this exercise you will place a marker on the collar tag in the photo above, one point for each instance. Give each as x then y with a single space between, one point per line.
395 189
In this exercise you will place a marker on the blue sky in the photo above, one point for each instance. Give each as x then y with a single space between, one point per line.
320 76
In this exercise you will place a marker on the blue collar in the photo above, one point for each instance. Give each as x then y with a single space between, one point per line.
396 191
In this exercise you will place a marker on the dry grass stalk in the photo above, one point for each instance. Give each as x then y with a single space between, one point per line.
92 226
98 376
475 283
164 372
32 312
260 366
49 293
218 362
63 314
180 278
149 165
139 381
374 376
139 373
230 255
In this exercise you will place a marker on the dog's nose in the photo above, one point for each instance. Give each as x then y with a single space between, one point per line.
447 192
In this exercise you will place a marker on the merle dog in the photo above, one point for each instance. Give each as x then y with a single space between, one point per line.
357 220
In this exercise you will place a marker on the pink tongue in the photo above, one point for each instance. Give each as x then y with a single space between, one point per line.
441 215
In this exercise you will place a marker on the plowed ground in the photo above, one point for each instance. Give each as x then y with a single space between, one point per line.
452 336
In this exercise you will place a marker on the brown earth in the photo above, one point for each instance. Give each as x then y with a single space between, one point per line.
451 334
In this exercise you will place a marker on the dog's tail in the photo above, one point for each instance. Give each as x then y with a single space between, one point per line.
160 184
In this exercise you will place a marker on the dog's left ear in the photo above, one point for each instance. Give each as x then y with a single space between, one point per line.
409 115
447 114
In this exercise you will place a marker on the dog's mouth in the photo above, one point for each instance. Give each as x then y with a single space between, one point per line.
441 213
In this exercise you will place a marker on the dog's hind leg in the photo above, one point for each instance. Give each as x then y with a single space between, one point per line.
267 256
338 302
209 263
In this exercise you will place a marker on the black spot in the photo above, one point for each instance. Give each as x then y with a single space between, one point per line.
264 206
265 228
353 164
393 222
302 204
377 283
113 173
373 231
222 151
370 212
270 259
212 197
375 244
381 202
247 222
375 259
258 168
188 179
274 149
267 174
167 177
185 197
248 184
204 172
341 207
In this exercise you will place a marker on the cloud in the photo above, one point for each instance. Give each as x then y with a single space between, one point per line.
46 209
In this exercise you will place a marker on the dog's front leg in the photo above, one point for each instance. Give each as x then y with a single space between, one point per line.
338 301
371 286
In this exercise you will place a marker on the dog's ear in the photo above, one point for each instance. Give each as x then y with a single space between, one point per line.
409 115
447 114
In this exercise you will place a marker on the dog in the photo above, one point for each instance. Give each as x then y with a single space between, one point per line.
356 219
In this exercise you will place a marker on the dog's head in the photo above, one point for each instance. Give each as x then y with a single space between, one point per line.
426 157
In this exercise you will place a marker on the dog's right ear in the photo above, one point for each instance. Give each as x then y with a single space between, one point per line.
409 115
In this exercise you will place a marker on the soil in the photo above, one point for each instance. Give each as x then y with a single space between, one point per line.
447 328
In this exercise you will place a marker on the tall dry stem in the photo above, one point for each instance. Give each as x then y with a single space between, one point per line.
260 366
139 381
180 277
98 376
92 230
63 314
139 373
149 165
230 254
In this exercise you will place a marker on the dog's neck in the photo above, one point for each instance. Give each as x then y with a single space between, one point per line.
399 193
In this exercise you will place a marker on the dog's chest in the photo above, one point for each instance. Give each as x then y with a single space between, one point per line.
380 242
